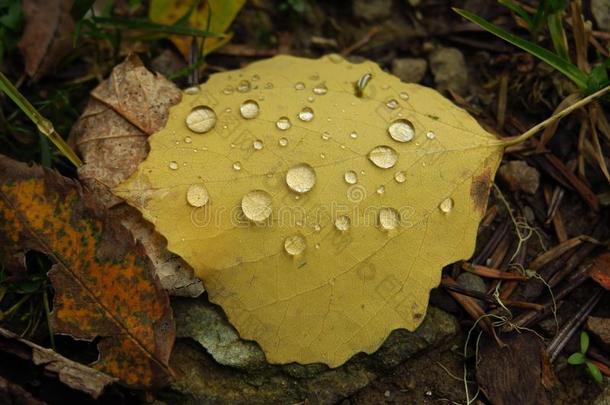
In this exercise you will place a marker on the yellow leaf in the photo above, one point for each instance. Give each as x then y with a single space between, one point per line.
223 13
317 219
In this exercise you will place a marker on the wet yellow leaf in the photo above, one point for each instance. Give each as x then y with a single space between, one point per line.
317 219
219 12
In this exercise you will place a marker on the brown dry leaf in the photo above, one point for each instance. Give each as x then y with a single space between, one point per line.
111 137
513 374
47 37
319 220
71 373
104 286
600 270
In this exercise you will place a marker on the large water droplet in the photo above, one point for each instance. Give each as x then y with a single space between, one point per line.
201 119
257 144
295 245
244 86
301 178
283 142
400 177
320 89
392 104
283 123
306 114
256 205
299 86
350 177
383 156
401 130
197 195
173 165
389 218
342 223
249 109
446 205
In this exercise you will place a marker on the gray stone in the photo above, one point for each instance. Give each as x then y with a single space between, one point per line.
205 323
473 282
520 176
372 10
410 70
234 371
601 13
449 69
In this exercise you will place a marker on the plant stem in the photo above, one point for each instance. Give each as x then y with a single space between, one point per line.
535 129
47 311
44 125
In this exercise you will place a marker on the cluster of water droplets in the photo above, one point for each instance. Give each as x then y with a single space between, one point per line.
257 205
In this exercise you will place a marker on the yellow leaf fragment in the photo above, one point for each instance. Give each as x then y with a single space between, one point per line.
329 215
219 13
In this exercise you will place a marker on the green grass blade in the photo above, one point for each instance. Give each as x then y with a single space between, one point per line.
44 125
566 68
558 35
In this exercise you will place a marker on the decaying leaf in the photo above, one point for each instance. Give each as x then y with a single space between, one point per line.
71 373
319 220
47 36
111 136
600 270
513 374
104 286
219 13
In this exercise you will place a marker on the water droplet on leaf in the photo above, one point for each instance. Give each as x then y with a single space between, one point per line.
201 119
392 104
197 195
173 165
257 145
301 178
401 130
299 86
351 177
249 109
237 166
191 90
446 205
306 114
295 245
256 205
244 86
283 123
430 135
383 156
400 177
320 89
283 142
389 218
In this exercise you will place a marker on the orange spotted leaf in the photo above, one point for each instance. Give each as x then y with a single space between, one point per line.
103 283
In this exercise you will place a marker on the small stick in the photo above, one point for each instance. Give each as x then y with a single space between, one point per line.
566 332
489 272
